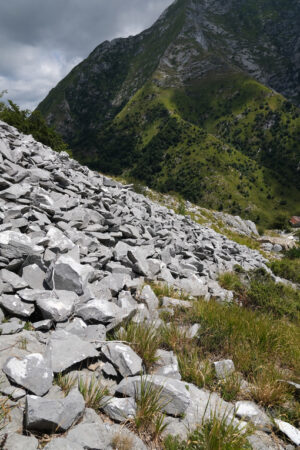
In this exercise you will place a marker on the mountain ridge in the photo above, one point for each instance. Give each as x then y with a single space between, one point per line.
195 51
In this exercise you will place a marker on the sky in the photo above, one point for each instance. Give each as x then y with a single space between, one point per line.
41 40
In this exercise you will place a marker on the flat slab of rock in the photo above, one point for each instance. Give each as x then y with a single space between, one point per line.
99 311
65 349
127 362
13 279
47 415
175 396
15 306
289 430
31 372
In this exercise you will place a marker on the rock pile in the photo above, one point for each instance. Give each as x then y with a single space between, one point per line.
75 251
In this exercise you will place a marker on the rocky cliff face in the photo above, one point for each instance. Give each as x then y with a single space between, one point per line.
190 40
76 252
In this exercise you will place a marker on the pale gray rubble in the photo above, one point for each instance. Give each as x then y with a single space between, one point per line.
77 253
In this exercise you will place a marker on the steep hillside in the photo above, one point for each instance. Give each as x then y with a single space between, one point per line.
196 104
124 325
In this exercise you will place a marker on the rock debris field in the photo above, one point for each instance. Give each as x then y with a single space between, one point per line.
76 252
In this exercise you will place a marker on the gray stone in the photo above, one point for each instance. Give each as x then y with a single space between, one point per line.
193 331
17 245
224 368
31 372
65 349
175 303
14 280
66 274
59 306
34 276
63 444
19 442
11 327
175 396
251 412
95 436
289 430
49 416
14 305
43 325
98 310
127 362
58 241
262 441
16 191
166 364
13 392
120 409
149 298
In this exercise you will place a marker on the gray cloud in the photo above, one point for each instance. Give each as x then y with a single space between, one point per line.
41 40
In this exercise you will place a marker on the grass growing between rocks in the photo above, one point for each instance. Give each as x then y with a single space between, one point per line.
65 382
144 340
149 421
93 392
217 433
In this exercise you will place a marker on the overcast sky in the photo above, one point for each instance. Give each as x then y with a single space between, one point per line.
41 40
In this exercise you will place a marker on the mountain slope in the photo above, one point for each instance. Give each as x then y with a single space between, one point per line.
185 106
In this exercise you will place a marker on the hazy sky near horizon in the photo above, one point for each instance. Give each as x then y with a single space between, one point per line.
41 40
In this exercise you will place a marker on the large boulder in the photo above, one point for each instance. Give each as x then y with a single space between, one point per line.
59 306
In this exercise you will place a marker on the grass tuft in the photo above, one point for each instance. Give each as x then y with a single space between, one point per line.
144 339
93 392
65 382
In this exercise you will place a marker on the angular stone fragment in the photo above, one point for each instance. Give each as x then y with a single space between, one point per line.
17 245
49 416
127 362
66 274
16 191
62 443
43 325
224 368
31 372
120 409
14 305
34 276
174 394
149 298
250 411
58 307
19 442
11 327
98 310
289 430
65 349
13 279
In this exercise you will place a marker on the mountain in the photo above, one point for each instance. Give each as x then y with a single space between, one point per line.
204 103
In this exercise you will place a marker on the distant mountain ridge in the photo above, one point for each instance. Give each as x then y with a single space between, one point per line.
205 87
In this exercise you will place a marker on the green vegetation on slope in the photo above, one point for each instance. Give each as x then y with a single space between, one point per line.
175 140
31 123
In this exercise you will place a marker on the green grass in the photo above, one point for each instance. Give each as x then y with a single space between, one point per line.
216 433
65 382
149 418
93 392
287 268
143 339
261 293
